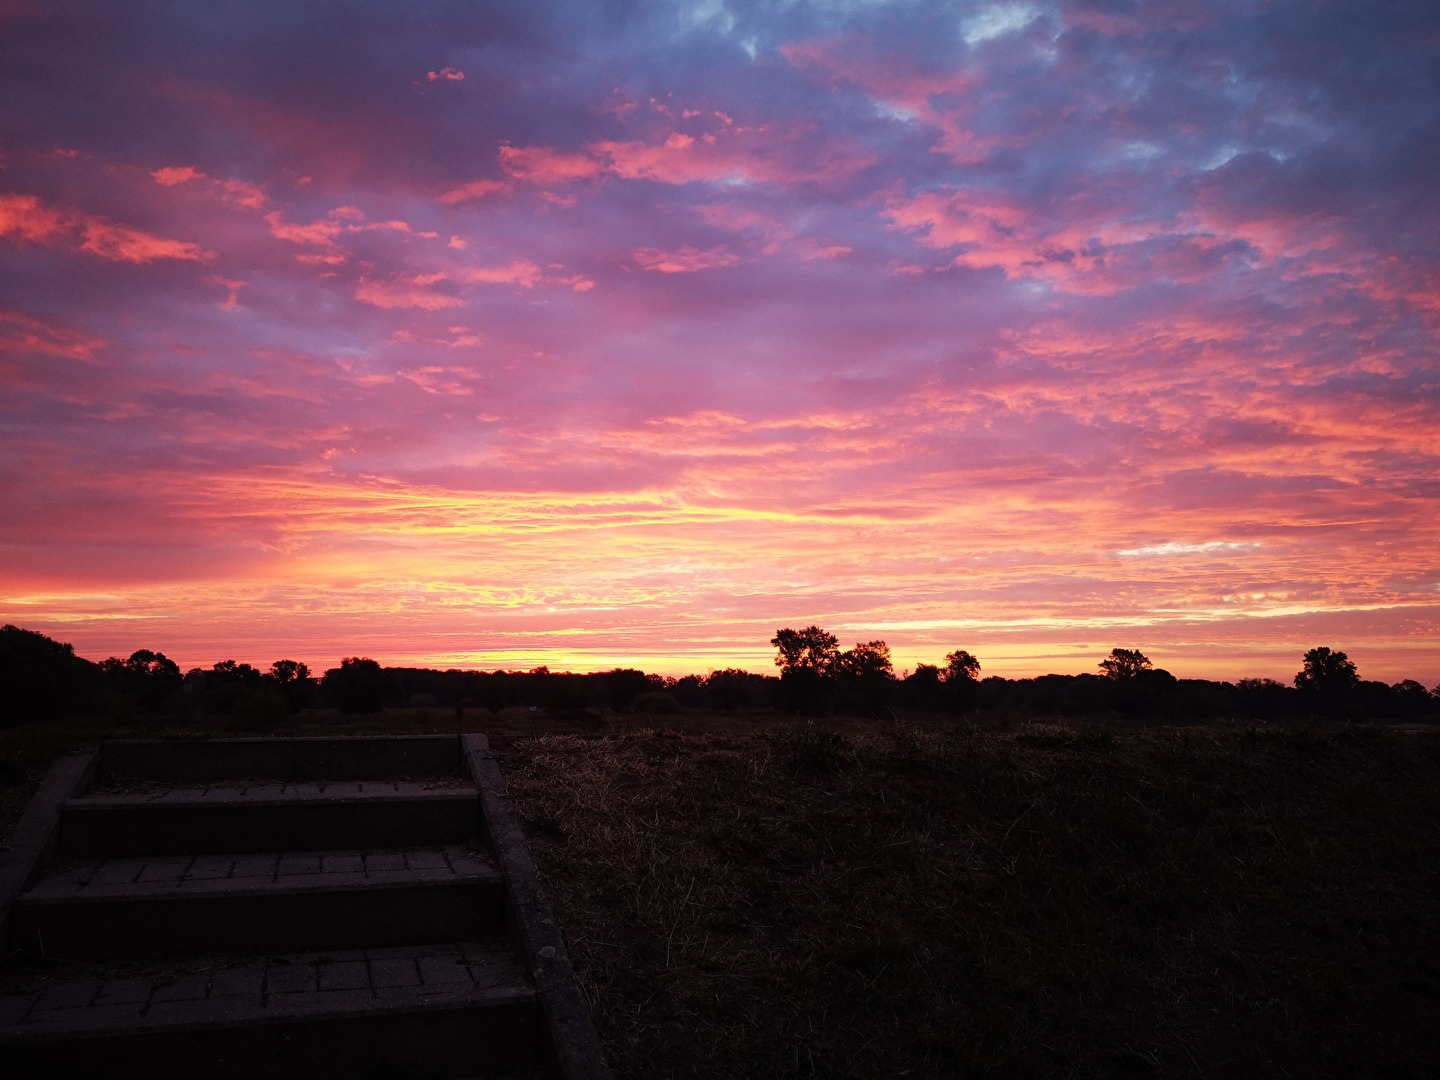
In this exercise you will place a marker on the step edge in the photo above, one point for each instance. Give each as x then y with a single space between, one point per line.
293 1011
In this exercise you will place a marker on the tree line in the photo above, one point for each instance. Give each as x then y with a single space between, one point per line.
43 679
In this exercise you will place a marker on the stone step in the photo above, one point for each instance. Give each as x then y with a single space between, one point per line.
445 1010
377 757
241 817
116 908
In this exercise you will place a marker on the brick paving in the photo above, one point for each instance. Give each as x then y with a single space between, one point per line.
187 874
327 982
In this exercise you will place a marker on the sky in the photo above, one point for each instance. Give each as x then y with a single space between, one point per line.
595 334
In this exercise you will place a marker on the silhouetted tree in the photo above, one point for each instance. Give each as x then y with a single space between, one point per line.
806 661
1413 699
731 688
148 678
866 676
360 685
921 689
1265 699
293 678
960 665
1327 681
1125 663
40 678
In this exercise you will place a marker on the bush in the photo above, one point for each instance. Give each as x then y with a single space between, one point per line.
655 703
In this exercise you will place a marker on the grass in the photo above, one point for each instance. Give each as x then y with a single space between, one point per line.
769 898
1046 902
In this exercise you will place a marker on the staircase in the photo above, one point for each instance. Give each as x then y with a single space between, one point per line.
361 907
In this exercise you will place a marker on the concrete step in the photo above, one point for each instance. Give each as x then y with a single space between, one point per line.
442 1011
378 757
106 909
244 817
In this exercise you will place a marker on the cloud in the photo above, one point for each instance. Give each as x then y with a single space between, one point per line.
446 74
172 175
414 292
476 189
685 260
32 221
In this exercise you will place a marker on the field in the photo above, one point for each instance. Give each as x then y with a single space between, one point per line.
771 898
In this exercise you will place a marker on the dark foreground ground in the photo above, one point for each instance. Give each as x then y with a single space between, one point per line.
787 900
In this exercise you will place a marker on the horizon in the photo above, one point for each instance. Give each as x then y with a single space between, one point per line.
520 664
536 334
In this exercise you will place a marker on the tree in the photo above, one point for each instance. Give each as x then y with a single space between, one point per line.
1327 673
868 660
812 649
360 685
293 677
866 676
960 666
149 677
1124 664
806 659
39 678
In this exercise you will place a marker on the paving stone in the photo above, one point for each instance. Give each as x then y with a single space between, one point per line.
298 862
186 988
340 864
384 860
123 992
346 975
164 870
70 994
388 973
118 872
237 982
289 978
95 1014
210 868
265 791
255 866
13 1009
426 860
394 952
443 970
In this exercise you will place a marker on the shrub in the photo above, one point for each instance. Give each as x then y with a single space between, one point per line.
655 703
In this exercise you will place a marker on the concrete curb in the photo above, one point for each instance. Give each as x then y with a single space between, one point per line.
571 1047
38 830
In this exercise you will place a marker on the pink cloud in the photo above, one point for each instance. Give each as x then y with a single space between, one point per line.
239 193
520 272
476 189
172 175
32 221
542 165
22 333
321 232
686 260
447 74
413 292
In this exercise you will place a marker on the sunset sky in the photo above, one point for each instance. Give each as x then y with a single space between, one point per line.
593 334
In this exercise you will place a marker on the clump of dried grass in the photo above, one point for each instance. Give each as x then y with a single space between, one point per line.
1050 901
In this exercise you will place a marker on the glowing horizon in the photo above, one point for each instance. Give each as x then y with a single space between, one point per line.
529 336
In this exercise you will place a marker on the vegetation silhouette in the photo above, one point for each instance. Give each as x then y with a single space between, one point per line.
43 679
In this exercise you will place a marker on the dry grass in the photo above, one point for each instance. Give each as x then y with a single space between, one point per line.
1045 902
